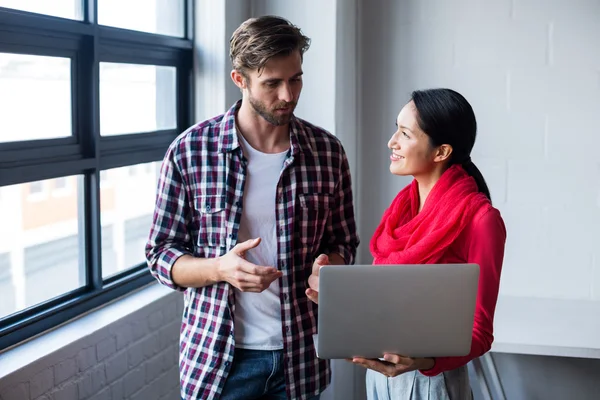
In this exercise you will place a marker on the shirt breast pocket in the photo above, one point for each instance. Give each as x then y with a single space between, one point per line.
212 212
315 210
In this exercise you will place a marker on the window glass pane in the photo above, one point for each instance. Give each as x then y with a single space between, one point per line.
164 17
61 183
58 8
35 97
127 204
36 188
136 98
41 249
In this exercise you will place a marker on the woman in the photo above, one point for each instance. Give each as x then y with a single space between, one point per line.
444 216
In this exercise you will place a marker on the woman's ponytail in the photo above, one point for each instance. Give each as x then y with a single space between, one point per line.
474 172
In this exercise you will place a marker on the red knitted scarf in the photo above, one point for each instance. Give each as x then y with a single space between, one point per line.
406 236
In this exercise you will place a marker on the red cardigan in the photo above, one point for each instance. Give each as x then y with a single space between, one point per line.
482 242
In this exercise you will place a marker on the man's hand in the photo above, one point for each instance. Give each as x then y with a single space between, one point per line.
395 364
234 269
313 281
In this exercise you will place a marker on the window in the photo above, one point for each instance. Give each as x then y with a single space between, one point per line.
165 17
61 183
127 209
36 188
132 172
42 246
104 179
58 8
136 98
87 112
61 187
34 86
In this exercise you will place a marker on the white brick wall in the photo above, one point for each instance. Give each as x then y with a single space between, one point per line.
531 70
134 358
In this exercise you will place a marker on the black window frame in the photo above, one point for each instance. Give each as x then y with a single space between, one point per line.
86 152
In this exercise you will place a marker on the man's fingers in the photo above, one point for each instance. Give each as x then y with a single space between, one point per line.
259 279
268 279
313 295
313 282
249 279
253 269
319 262
253 286
323 259
240 248
253 289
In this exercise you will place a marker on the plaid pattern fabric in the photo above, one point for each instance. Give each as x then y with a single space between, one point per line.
198 212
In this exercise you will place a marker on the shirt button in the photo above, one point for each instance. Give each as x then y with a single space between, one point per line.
207 208
285 296
287 328
227 363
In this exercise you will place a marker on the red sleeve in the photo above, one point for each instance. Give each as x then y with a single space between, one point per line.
485 247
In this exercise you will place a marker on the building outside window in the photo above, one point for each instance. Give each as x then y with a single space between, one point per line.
87 114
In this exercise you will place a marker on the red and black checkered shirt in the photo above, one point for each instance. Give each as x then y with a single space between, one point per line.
198 212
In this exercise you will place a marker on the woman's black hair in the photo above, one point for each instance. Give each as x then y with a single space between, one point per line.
448 118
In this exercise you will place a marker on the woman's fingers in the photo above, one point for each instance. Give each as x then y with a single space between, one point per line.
387 368
397 359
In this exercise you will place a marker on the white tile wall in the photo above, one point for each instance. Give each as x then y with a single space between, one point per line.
595 282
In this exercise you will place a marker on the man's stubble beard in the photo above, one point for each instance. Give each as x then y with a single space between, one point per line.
270 116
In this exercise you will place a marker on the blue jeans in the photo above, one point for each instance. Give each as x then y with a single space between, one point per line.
256 374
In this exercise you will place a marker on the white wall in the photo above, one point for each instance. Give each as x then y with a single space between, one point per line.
125 350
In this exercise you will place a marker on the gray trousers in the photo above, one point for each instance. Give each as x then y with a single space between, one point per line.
450 385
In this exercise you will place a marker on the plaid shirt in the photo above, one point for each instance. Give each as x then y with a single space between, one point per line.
198 212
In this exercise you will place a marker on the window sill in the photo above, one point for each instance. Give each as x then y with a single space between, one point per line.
24 354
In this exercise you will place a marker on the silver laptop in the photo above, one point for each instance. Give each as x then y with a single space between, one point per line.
411 310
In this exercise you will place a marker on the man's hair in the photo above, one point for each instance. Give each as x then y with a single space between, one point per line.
258 40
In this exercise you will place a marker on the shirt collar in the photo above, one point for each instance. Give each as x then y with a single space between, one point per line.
228 139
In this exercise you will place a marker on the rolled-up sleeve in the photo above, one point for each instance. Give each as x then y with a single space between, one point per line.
341 236
169 237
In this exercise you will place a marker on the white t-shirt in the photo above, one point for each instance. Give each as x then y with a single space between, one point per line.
257 317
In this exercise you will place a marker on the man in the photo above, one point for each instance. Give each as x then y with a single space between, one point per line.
246 202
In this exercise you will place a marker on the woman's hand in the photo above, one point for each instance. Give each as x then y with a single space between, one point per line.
394 364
